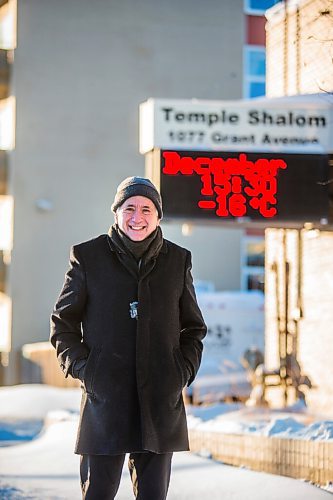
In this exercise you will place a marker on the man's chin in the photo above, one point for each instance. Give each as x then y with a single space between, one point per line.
137 235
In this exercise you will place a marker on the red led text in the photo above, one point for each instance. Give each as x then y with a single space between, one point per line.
233 184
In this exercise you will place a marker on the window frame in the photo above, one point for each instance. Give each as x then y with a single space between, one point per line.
256 12
250 78
247 270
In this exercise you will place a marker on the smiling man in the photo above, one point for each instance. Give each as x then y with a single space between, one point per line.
137 218
127 324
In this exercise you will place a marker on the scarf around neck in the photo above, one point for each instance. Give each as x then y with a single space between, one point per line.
135 255
137 248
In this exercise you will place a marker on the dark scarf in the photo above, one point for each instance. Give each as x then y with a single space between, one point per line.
136 256
137 248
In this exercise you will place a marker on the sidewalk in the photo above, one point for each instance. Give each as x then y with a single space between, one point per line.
46 468
193 478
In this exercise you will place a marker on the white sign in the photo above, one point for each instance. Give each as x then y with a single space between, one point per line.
249 125
235 322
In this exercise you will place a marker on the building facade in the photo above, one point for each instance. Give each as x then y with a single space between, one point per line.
299 48
300 298
299 272
254 57
78 76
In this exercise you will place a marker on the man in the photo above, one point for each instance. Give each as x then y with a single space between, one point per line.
127 324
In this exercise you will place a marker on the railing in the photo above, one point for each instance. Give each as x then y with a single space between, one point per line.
296 458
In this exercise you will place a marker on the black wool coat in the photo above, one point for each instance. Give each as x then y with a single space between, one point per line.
136 368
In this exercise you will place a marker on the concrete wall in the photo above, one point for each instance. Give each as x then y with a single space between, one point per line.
80 71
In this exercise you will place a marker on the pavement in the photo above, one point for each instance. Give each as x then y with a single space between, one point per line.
193 478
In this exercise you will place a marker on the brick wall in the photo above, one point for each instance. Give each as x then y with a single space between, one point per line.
309 253
299 48
316 328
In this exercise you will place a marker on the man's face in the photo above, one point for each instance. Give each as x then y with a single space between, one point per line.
137 217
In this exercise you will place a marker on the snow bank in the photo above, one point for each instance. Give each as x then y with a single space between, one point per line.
41 456
237 419
18 430
34 401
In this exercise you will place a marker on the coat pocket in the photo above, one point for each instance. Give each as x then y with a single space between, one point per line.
180 362
90 370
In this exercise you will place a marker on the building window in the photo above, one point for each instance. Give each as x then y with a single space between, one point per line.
253 263
254 71
258 7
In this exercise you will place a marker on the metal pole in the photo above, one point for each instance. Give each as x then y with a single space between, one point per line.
284 329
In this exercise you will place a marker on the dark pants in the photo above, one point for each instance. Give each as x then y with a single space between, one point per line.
101 474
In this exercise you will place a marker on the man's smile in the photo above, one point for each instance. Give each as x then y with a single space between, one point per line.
137 228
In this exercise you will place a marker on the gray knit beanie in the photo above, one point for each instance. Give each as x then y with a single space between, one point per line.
137 186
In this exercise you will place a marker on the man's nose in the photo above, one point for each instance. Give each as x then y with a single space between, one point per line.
136 215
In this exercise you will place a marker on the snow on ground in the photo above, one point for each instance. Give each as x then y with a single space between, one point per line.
35 400
296 422
56 440
45 468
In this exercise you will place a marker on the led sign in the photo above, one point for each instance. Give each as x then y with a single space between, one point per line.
258 186
235 183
